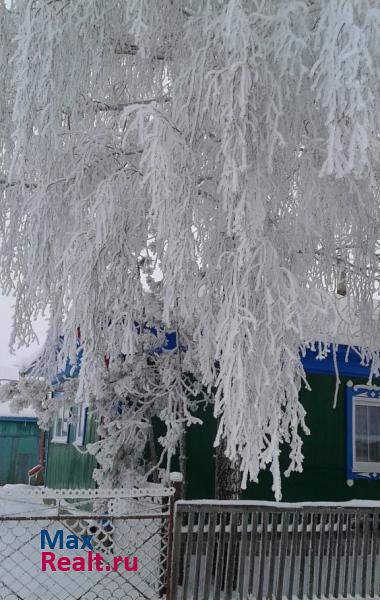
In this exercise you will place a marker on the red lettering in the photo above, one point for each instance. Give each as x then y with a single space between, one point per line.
98 560
48 558
63 563
134 565
116 562
79 563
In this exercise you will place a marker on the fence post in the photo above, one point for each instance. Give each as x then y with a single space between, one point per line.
175 479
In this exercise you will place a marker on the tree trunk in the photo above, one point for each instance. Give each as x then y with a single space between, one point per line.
227 476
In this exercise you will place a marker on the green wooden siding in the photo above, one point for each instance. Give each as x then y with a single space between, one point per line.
19 441
200 456
66 467
324 468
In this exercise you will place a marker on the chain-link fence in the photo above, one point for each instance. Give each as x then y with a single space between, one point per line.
96 546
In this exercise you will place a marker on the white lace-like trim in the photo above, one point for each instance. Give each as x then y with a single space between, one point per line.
49 493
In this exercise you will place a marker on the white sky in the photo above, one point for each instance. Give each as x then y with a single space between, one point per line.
10 363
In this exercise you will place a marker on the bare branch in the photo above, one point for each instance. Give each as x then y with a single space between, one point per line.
7 184
132 50
104 107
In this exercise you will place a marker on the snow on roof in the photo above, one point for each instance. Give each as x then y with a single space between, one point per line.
6 411
348 330
28 357
340 324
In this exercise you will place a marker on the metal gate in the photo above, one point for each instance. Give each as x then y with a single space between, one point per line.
85 544
245 550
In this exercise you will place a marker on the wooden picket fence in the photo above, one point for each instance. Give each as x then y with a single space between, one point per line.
224 550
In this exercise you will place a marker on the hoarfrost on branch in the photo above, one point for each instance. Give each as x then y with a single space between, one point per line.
209 166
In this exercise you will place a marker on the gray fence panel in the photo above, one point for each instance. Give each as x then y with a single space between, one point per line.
228 550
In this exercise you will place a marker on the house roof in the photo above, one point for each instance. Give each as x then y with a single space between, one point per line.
337 325
348 362
7 413
341 324
341 332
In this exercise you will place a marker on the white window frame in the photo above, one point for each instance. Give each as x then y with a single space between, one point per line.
62 414
80 426
358 466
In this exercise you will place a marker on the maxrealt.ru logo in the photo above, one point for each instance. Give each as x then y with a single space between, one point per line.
91 561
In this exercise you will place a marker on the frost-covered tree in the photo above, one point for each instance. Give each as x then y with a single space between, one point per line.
234 143
131 397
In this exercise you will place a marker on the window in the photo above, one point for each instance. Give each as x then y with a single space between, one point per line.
363 431
79 420
69 422
61 425
367 435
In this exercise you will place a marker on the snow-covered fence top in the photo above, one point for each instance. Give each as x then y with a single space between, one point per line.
202 505
276 550
51 494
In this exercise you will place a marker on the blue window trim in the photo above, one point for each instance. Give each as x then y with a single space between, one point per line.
352 391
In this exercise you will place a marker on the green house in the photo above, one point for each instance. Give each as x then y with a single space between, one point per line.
342 453
341 456
19 445
67 465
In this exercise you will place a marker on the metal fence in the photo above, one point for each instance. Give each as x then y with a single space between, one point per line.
130 524
245 550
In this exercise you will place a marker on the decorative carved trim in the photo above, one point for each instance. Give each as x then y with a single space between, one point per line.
64 494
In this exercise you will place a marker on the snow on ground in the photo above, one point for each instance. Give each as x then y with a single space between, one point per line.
14 503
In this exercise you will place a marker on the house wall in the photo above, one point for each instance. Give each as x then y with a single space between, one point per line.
324 473
66 467
324 469
200 457
19 441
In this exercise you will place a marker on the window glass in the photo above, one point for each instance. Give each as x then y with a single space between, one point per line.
367 433
61 425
